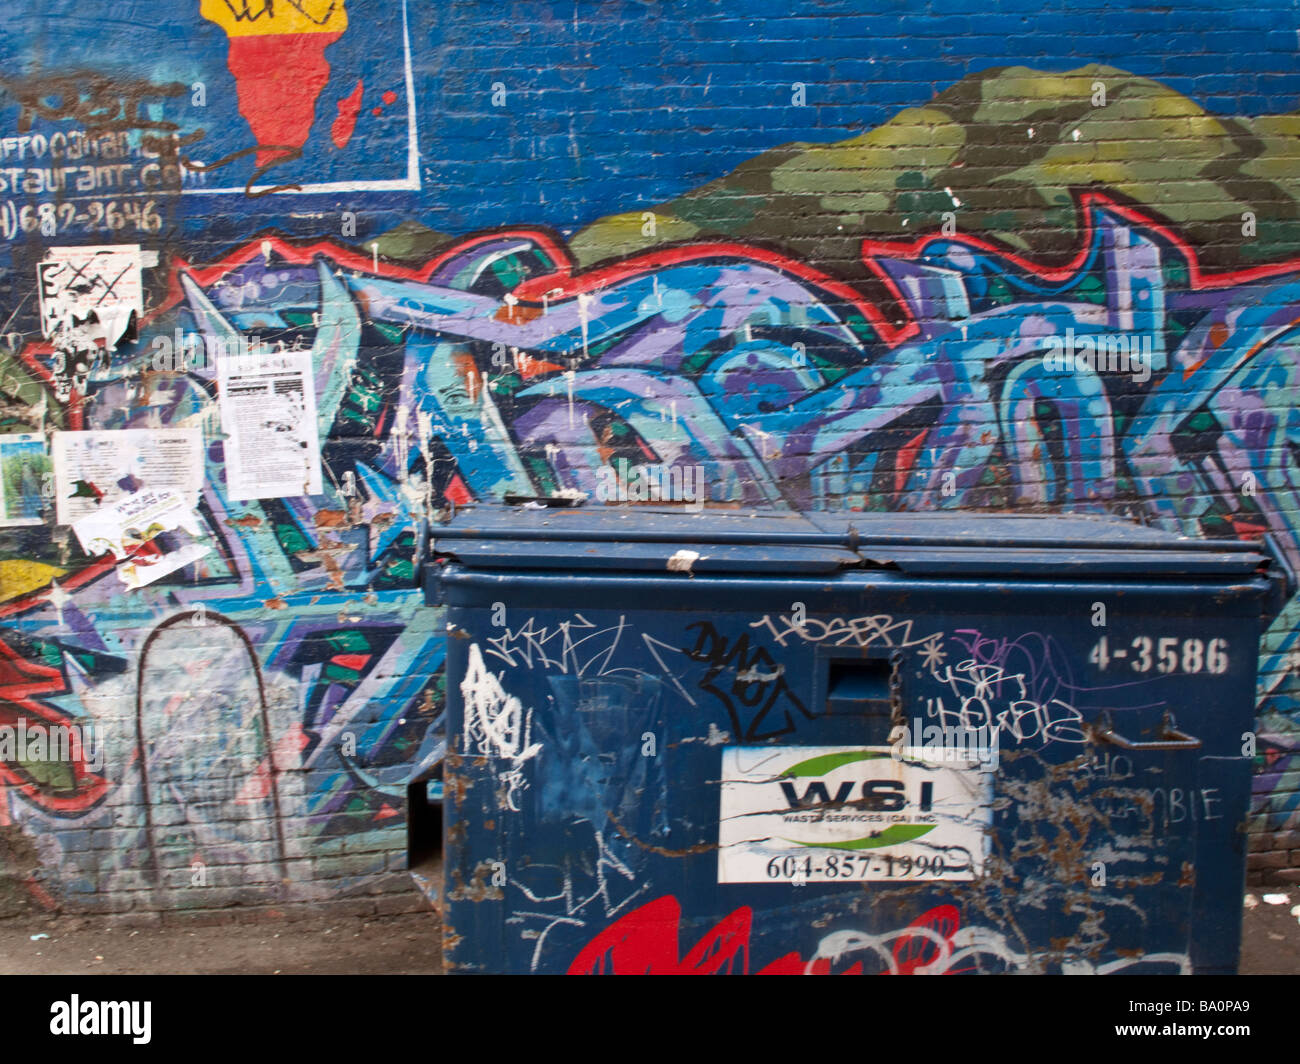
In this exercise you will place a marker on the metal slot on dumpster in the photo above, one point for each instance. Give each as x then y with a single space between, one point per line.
866 688
771 742
860 683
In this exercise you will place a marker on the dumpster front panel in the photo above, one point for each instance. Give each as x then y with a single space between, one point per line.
865 774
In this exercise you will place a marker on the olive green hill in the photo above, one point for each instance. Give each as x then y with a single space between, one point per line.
1003 150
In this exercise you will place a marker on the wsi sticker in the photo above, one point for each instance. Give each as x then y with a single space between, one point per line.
817 814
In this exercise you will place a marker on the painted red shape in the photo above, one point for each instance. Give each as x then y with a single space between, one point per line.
20 678
907 455
538 367
349 107
21 681
645 942
789 964
279 77
390 97
457 492
913 951
355 662
257 786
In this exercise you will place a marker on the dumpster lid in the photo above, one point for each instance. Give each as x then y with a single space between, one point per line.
772 541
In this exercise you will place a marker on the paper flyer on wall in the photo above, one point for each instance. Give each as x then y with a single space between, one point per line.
24 467
150 531
268 413
94 469
92 291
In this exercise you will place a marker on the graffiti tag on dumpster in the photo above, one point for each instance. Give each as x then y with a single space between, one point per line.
835 813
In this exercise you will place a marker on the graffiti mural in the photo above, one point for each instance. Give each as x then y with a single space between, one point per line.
264 679
499 368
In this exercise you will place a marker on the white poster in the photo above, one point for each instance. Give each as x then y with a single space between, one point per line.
268 413
136 528
819 814
90 292
94 469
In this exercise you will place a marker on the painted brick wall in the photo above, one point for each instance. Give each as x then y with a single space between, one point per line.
798 255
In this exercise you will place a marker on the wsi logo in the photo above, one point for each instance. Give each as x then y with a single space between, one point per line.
102 1017
885 795
893 807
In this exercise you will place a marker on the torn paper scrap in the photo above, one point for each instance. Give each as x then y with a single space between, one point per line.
146 567
130 529
134 520
682 561
89 293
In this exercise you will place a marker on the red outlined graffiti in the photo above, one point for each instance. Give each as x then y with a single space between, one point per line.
21 683
646 941
1086 203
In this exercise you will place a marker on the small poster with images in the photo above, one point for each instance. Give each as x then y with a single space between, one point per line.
24 474
150 533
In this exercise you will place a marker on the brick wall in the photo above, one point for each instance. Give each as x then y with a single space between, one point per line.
805 256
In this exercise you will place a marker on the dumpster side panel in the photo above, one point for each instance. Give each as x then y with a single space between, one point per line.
595 745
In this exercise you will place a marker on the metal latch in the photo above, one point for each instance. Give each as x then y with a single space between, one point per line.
1171 738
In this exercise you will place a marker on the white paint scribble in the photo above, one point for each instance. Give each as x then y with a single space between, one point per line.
496 723
876 630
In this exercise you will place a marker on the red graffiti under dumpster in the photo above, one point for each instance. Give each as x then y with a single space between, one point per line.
646 942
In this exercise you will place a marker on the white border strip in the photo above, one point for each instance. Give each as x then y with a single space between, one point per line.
409 183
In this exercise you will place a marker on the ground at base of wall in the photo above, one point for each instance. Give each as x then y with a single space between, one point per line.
1270 940
408 944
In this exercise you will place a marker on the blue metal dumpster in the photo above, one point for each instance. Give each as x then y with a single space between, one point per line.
907 743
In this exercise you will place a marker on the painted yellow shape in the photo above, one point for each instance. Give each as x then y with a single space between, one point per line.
918 138
1017 93
617 235
19 577
255 18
